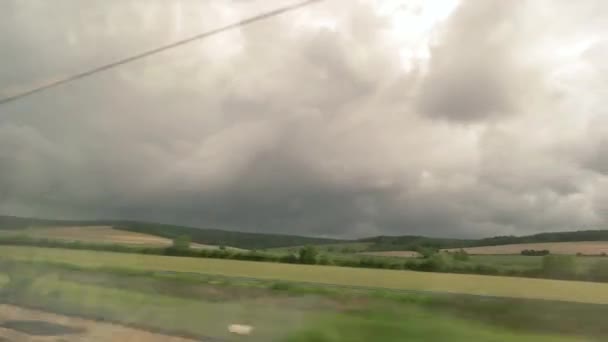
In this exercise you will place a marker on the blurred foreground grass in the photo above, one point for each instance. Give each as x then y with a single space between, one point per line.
202 306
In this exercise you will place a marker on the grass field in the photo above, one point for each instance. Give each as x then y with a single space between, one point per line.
202 308
402 280
299 319
522 262
33 325
583 247
98 235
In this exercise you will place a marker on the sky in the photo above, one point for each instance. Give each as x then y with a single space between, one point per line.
347 118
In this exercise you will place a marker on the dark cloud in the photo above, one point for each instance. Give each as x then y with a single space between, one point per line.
477 70
290 127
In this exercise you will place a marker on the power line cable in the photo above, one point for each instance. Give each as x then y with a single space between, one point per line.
148 53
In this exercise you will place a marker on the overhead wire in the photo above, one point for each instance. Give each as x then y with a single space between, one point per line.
90 72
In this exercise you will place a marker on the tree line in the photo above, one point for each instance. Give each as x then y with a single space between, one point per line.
553 266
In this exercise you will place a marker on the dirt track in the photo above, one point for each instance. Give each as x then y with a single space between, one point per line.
19 324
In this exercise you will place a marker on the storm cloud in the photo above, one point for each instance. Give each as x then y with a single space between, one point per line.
341 119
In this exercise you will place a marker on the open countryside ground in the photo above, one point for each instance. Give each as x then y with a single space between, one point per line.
509 261
277 317
20 324
97 234
401 280
523 262
583 247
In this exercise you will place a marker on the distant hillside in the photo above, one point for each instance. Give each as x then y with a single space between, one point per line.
224 237
198 235
264 241
580 235
411 242
568 247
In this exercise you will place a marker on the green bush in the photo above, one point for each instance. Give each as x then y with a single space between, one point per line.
426 252
460 255
181 242
325 260
308 255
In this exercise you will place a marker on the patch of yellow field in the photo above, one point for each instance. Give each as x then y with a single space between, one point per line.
584 247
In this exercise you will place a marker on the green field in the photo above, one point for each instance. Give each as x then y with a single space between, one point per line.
272 322
523 262
203 306
403 280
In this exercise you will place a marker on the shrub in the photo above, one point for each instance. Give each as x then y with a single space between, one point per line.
181 242
485 269
308 255
461 255
426 252
324 260
437 262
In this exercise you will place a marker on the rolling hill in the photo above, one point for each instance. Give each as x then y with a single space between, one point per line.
99 235
203 236
247 240
411 242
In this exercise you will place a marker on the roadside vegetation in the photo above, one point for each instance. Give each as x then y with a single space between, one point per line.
260 241
202 306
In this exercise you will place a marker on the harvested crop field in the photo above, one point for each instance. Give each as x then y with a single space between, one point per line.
93 234
584 247
574 291
20 324
97 234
